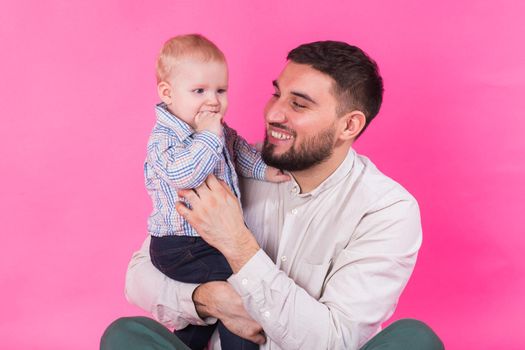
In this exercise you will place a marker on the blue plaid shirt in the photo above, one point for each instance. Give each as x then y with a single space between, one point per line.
178 157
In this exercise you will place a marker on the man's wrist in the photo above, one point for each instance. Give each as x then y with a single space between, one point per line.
239 257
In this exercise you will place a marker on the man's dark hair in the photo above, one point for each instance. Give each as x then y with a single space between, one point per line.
358 84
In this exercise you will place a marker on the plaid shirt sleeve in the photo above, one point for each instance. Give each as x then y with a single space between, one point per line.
248 161
186 165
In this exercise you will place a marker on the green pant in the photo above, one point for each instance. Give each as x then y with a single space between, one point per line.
142 333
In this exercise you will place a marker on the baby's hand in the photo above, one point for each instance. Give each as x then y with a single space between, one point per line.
210 121
275 175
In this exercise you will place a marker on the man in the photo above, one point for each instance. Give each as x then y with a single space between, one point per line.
324 257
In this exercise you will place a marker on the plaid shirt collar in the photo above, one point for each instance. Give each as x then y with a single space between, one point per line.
166 118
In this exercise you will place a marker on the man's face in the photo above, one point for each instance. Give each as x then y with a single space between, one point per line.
300 119
198 86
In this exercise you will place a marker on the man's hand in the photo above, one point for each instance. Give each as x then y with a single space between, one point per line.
216 215
219 300
275 175
210 121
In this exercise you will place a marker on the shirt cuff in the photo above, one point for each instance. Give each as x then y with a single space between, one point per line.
187 306
248 280
210 140
259 169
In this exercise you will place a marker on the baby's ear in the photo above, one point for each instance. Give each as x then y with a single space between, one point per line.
164 91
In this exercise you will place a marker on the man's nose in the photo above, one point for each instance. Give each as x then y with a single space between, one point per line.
275 113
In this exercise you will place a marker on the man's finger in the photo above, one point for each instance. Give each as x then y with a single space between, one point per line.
253 332
259 338
183 210
212 182
189 195
215 184
202 190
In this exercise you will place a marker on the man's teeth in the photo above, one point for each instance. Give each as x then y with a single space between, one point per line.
280 136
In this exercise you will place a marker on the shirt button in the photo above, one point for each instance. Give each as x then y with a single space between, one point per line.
267 314
295 190
283 258
294 211
244 281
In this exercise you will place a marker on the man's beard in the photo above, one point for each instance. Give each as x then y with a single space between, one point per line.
311 152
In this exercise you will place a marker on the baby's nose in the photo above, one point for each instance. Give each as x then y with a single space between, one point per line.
213 99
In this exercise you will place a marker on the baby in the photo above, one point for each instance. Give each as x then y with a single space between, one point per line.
190 141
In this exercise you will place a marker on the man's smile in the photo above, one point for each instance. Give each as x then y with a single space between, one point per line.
279 133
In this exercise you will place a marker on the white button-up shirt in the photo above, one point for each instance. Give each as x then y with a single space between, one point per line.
332 266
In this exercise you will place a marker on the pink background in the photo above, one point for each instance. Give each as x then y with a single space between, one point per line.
77 90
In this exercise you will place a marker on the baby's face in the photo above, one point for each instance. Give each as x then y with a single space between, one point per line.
198 86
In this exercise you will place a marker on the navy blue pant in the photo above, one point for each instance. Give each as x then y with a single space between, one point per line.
192 260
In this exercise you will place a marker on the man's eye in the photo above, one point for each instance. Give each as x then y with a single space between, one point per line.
295 104
275 94
199 91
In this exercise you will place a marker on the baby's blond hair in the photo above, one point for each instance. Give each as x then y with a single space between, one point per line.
185 46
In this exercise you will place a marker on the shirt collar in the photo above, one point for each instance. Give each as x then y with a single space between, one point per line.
340 173
166 118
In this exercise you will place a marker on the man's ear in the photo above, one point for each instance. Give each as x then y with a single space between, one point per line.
164 91
352 124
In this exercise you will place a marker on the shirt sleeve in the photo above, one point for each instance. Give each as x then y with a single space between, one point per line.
186 166
360 291
248 161
169 301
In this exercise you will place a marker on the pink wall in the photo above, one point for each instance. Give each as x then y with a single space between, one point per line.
76 97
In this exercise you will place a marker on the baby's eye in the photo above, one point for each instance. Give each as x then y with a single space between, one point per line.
276 94
199 91
221 91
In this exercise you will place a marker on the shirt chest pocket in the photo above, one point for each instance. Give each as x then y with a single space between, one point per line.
311 277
